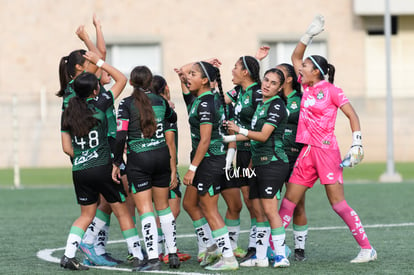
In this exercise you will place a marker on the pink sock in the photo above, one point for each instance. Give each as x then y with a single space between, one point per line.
286 211
350 217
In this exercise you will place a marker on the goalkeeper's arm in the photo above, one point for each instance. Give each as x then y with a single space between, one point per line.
356 152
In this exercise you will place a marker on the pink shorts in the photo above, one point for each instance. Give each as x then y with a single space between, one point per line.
313 163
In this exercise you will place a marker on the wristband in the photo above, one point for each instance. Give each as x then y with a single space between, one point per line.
99 63
357 138
243 131
192 168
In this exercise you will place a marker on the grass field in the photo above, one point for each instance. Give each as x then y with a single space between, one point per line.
38 217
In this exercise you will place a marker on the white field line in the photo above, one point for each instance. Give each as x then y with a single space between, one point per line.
46 254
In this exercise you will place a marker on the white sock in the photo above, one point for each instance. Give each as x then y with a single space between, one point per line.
150 235
262 239
132 239
73 241
252 235
204 236
97 224
168 227
221 236
278 237
101 240
300 235
160 240
233 226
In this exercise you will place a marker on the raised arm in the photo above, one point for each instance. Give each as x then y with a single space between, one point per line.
314 29
100 41
118 76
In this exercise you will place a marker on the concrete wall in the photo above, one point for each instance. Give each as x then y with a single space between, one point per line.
36 34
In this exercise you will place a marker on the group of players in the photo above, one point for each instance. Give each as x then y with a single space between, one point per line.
276 133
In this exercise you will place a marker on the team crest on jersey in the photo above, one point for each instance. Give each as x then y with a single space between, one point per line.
294 105
262 111
246 101
320 95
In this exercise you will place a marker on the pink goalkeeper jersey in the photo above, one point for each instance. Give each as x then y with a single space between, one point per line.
318 111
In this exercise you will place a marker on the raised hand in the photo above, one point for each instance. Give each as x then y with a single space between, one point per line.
262 52
315 28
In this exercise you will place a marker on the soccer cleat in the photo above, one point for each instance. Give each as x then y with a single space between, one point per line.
210 255
86 262
200 256
365 255
163 258
183 256
130 258
137 263
270 254
152 264
89 251
251 251
109 258
174 260
224 263
239 252
300 255
72 263
281 261
254 261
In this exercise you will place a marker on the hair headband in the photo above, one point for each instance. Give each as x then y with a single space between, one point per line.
245 65
204 70
316 64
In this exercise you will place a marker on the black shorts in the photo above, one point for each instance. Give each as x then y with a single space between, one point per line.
89 183
269 179
242 163
230 180
210 175
176 192
147 169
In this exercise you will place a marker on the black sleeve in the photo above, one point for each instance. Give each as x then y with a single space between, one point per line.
170 114
276 112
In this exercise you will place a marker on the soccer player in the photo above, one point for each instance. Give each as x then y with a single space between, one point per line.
293 94
245 97
160 87
206 173
84 139
320 157
270 164
141 123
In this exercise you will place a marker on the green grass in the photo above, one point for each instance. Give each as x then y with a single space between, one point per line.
42 177
33 219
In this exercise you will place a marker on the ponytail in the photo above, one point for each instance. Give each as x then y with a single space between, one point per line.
78 117
67 69
220 88
331 73
141 79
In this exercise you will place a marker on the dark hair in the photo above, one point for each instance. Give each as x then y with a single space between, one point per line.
291 73
324 66
220 88
67 69
251 64
78 117
141 79
281 75
158 85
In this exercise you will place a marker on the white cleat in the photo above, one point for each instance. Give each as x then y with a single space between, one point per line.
365 255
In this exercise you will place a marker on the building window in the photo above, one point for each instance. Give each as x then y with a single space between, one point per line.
375 25
125 57
281 52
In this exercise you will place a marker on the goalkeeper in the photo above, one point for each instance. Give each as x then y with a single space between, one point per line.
320 156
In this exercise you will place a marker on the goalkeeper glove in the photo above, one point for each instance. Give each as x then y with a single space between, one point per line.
315 28
356 153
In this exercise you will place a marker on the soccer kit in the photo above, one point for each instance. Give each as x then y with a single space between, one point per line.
269 159
206 109
321 157
92 157
148 158
173 128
